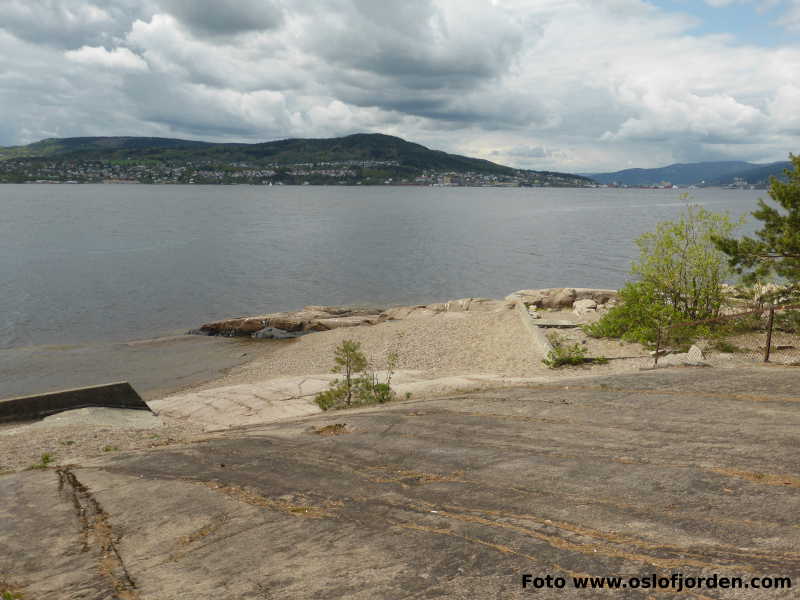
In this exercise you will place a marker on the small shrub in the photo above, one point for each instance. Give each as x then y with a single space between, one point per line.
360 385
563 353
110 448
44 461
330 398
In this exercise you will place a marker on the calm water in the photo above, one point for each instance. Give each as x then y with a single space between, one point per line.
81 263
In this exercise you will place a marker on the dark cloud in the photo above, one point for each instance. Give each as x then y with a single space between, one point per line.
214 17
420 44
70 23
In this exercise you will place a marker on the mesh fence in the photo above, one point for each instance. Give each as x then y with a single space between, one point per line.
768 334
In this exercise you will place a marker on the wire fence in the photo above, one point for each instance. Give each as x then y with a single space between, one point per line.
765 334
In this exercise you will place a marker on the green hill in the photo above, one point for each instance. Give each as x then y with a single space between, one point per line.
702 173
756 174
366 158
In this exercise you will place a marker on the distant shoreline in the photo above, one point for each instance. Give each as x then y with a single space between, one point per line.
402 185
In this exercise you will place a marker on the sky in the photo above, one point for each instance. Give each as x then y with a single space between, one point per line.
570 85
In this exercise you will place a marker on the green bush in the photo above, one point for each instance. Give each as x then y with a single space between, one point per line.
639 317
679 276
563 353
361 385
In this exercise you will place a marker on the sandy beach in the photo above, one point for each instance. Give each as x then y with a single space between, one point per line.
437 355
197 385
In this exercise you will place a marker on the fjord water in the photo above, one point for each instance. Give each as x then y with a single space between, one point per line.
83 263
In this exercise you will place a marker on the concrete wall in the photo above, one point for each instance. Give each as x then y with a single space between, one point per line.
540 341
113 395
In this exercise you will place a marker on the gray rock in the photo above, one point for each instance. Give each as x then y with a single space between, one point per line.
582 307
559 298
273 333
696 355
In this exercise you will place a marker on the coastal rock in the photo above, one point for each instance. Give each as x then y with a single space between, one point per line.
340 322
278 325
559 298
399 312
599 296
471 305
306 320
271 333
461 305
527 297
343 311
235 327
583 307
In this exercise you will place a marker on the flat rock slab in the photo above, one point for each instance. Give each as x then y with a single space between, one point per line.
102 417
556 324
293 397
681 471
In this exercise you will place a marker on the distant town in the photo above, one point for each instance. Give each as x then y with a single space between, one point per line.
738 184
351 172
358 159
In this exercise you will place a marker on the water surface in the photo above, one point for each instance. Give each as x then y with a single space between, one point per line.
84 263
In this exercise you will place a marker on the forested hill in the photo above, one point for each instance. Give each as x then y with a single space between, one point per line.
701 173
389 156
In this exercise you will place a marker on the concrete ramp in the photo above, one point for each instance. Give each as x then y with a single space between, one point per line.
111 395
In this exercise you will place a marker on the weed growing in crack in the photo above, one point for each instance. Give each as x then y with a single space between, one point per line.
44 462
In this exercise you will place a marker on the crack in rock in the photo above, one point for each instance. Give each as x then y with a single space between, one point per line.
97 533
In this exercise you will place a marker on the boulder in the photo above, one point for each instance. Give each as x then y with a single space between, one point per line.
583 307
527 297
696 355
599 296
475 305
693 358
559 298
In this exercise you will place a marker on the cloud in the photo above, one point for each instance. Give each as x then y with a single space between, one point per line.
70 23
552 84
213 17
118 58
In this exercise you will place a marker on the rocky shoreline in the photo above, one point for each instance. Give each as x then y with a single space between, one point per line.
283 325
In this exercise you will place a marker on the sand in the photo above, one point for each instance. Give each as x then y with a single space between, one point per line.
269 380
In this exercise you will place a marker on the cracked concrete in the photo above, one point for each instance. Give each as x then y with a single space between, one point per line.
690 471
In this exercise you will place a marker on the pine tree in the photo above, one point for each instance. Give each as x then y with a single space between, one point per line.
776 248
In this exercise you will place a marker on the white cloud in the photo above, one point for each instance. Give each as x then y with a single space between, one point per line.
118 58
